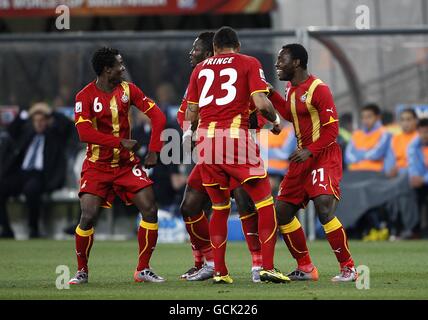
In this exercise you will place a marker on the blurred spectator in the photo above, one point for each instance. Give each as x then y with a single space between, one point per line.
36 165
418 172
278 149
402 210
366 151
396 156
166 98
368 145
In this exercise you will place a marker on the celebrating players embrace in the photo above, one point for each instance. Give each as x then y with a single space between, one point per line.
226 88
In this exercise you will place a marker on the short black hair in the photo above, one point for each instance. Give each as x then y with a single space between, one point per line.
226 37
387 117
373 107
423 122
297 51
411 111
207 41
104 57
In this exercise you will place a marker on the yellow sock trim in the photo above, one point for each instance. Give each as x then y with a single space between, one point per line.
84 233
227 206
248 216
333 225
275 228
199 219
148 225
264 203
290 227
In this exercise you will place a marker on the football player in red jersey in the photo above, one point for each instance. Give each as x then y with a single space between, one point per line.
196 198
315 167
220 99
111 167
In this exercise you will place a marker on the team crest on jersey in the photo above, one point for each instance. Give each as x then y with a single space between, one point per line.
303 98
124 98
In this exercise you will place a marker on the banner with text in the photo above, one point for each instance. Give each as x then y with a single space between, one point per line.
29 8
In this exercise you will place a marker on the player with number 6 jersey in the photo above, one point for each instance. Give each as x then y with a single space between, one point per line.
111 167
315 167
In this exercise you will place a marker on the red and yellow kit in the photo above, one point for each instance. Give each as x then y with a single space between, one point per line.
222 87
102 121
310 107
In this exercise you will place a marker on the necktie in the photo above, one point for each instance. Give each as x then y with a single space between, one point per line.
32 162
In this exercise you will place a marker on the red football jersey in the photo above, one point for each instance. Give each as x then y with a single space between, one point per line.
222 86
309 106
108 114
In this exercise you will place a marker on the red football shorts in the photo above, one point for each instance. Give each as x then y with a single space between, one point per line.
195 180
107 182
314 177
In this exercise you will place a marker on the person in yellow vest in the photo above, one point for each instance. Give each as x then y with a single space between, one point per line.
402 208
396 161
418 172
368 146
366 151
278 149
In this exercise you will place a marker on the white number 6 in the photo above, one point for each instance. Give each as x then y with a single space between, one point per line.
136 171
97 105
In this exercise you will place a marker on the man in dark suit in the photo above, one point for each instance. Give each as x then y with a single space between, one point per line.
37 164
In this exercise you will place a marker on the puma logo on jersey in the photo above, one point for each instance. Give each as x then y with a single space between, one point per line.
145 179
329 110
324 186
337 250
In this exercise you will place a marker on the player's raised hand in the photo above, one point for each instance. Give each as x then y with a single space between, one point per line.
276 130
300 155
151 159
129 144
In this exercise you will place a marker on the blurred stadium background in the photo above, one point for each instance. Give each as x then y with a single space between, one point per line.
386 64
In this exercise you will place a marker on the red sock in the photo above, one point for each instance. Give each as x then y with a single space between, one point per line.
267 231
218 235
198 229
84 240
147 238
258 190
250 230
338 240
295 238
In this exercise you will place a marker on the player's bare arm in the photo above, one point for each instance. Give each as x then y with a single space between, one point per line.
267 110
192 113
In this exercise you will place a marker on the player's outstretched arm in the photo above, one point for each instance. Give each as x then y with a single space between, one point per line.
266 109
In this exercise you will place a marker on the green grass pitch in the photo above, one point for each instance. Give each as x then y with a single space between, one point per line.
398 270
